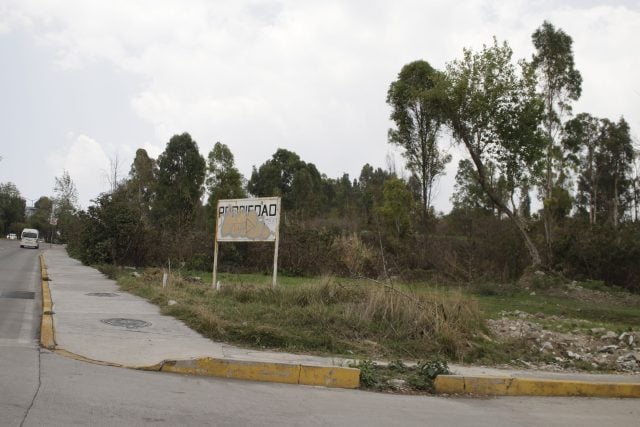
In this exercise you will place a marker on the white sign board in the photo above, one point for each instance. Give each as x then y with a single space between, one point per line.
248 220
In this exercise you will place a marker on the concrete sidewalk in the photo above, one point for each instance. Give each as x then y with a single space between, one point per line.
93 319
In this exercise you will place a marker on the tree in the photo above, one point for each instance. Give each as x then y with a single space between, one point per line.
615 162
604 157
180 178
113 230
65 193
223 180
40 218
371 187
143 181
12 207
413 98
286 175
65 196
469 196
583 134
181 171
560 83
397 207
493 110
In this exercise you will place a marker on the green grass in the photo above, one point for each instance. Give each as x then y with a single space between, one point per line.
368 320
594 313
352 318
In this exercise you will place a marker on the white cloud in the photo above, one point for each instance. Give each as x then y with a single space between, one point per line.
309 76
87 163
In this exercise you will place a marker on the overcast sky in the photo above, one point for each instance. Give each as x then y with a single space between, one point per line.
85 81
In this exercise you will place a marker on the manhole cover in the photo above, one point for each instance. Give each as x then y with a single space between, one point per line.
101 294
126 323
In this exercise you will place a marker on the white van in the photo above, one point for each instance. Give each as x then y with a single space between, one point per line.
29 238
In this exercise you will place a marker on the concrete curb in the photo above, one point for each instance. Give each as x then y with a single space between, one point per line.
47 334
515 386
288 373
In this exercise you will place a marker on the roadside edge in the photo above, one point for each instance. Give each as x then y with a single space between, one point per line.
47 333
518 386
327 376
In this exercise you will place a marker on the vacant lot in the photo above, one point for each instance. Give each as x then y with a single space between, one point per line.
575 326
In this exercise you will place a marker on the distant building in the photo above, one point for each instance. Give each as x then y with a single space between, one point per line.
29 210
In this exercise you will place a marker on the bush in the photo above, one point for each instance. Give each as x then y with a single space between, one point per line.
600 253
426 373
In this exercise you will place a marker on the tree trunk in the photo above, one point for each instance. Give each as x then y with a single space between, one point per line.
536 261
547 217
615 201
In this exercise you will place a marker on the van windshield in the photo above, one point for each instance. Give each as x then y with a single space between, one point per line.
30 235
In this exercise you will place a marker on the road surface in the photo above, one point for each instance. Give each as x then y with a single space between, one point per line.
39 388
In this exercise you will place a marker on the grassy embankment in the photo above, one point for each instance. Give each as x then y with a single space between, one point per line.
351 318
366 320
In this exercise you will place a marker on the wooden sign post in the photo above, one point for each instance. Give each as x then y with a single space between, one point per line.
247 220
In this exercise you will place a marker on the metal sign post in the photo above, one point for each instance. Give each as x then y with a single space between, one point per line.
247 220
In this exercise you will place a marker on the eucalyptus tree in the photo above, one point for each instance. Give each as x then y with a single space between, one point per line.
65 197
559 84
583 135
413 98
181 171
492 109
223 180
615 160
143 178
605 157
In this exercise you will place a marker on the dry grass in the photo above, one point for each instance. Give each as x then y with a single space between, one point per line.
326 316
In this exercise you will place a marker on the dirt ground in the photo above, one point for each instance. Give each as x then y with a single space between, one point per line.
558 343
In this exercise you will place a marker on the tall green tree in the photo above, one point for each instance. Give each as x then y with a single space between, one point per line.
583 135
65 197
615 162
297 182
143 181
559 84
181 171
414 99
223 179
605 159
492 109
371 190
40 218
469 196
397 208
12 208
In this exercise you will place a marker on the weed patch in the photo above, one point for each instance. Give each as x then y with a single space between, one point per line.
326 316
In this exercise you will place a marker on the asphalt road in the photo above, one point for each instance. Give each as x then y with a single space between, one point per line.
39 388
19 327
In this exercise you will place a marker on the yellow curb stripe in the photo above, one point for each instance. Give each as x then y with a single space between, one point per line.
509 386
47 333
263 371
80 358
330 376
272 372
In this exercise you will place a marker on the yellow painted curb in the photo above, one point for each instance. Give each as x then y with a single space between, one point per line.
47 333
74 356
330 376
264 371
510 386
